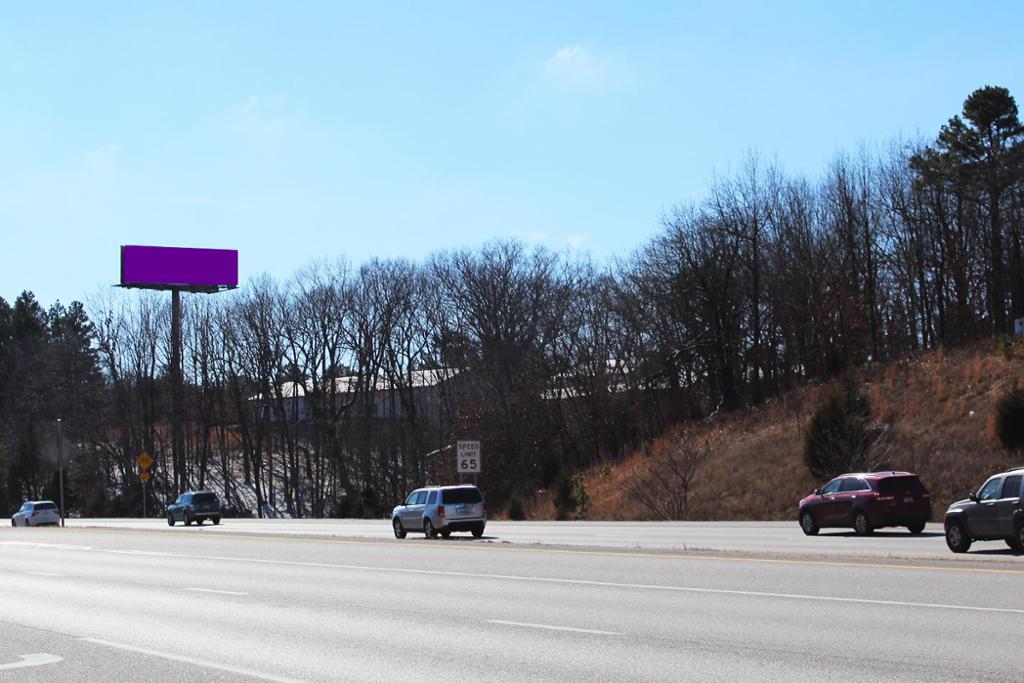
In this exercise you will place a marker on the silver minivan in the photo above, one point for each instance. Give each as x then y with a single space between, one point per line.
441 510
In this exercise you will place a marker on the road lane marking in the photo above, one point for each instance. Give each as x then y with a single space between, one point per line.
572 582
213 590
205 663
40 659
548 627
44 574
515 547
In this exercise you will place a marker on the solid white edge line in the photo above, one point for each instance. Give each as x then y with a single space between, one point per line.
214 590
549 627
205 663
43 574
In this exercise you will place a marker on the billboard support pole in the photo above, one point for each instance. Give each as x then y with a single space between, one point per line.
177 407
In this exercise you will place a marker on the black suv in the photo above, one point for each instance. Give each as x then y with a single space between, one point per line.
993 513
194 506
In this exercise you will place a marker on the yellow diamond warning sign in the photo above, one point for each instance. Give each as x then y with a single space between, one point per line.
144 461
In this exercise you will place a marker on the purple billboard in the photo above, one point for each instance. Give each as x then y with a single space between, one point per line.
200 270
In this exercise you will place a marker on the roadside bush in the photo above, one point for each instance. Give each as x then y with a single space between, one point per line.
841 437
1010 420
516 509
571 499
662 479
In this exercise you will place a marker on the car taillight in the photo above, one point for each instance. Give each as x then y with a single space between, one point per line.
440 510
484 507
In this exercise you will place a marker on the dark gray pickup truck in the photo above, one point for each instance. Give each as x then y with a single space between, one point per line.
994 513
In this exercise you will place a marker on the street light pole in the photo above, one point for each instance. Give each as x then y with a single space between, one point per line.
60 465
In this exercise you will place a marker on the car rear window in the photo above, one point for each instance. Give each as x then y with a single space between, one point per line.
468 494
204 498
46 506
897 484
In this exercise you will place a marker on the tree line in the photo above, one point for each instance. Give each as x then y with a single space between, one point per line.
555 362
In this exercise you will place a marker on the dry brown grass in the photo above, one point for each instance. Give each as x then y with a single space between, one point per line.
941 406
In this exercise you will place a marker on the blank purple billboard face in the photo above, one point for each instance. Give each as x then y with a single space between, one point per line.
179 267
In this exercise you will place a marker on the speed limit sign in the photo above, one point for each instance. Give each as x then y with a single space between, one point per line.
467 458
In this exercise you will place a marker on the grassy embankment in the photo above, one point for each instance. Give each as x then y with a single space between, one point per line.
940 404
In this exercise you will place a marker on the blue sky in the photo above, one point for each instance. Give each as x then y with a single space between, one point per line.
295 131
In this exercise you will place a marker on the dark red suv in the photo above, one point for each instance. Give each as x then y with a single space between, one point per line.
866 502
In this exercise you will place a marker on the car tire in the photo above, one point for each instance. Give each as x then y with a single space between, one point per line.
478 531
428 528
216 521
861 523
188 519
1016 542
807 524
915 528
170 519
956 537
446 533
200 520
396 524
13 522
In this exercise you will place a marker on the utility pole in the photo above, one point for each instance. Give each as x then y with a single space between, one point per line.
60 466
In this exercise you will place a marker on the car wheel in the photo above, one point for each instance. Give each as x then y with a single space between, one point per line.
216 521
916 527
807 524
170 519
478 531
428 529
446 533
188 519
861 524
199 521
1016 542
956 537
399 530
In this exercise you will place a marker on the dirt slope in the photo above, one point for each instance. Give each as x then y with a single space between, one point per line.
941 405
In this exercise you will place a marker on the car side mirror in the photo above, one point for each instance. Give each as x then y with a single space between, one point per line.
974 497
817 492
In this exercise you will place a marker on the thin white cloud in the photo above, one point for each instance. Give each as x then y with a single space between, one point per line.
581 66
576 240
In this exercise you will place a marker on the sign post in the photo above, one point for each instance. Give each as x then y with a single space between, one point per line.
467 459
144 461
60 465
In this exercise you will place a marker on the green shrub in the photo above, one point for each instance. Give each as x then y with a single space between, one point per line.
516 509
1004 346
1010 420
840 436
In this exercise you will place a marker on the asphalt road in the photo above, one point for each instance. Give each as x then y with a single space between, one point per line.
743 537
187 604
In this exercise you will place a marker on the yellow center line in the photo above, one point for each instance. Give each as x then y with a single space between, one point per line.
242 535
